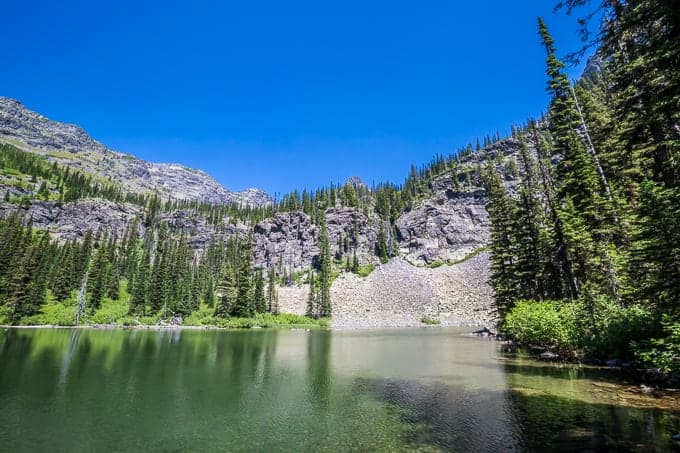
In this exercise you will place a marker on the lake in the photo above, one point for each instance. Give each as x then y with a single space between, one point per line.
430 389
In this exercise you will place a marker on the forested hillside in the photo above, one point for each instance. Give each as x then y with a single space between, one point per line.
80 248
586 255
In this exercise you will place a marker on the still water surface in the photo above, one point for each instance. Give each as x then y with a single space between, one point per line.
269 390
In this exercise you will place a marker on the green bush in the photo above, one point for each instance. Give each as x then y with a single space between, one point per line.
664 352
429 321
365 270
241 323
55 314
270 320
550 324
128 321
616 327
604 328
5 315
201 317
110 312
435 264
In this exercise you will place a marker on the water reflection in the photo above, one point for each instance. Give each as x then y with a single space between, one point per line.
319 368
268 390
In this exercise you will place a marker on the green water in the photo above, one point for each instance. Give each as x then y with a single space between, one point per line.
267 390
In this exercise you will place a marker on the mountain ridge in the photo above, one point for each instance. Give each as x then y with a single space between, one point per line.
69 144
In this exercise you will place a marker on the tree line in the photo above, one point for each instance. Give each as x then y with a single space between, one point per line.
596 219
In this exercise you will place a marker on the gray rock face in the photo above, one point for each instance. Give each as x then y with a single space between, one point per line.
289 240
70 221
340 223
454 221
198 231
443 228
70 145
22 125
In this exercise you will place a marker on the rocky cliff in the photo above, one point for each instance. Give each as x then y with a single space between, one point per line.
440 270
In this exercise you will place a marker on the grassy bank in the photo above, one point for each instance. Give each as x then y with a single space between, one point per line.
115 313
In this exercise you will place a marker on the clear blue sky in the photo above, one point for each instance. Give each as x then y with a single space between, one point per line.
282 95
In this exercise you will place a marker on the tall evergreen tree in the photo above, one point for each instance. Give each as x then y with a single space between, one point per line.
226 293
259 300
99 275
272 296
312 302
244 305
325 269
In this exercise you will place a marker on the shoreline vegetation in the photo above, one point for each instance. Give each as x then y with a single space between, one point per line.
585 252
116 313
237 324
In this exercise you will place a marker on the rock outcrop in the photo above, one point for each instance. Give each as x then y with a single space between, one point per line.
70 221
444 228
290 240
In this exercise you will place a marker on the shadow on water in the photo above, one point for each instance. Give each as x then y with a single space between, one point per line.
532 367
449 417
548 422
524 416
572 408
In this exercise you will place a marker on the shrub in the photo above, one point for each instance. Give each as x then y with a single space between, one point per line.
241 323
365 270
664 352
56 314
5 315
109 312
201 317
616 327
429 321
549 324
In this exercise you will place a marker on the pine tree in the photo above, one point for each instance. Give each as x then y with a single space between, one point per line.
503 215
259 300
654 259
586 205
158 281
381 246
140 282
355 262
99 274
325 269
29 281
226 293
312 302
272 296
64 270
244 304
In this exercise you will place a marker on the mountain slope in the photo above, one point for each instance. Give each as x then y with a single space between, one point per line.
437 239
70 145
